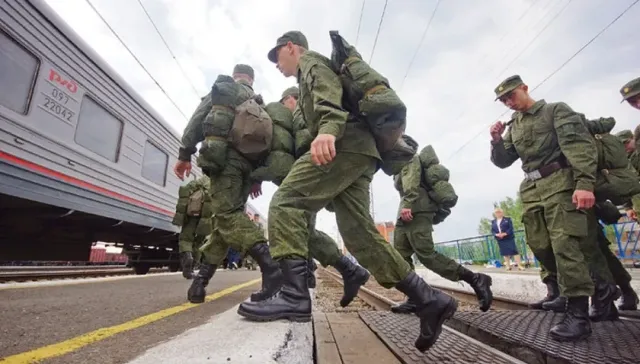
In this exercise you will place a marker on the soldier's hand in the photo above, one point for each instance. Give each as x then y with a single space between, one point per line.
323 149
406 215
181 168
631 214
583 199
496 131
256 190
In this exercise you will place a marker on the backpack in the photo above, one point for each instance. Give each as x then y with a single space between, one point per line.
435 179
616 180
252 130
196 200
367 94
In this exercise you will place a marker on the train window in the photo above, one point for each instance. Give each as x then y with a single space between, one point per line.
154 164
19 69
98 130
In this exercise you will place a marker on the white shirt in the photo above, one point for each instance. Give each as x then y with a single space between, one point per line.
498 221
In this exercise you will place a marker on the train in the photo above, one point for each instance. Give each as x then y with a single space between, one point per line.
83 157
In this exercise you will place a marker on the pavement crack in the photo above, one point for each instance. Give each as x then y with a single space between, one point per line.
287 339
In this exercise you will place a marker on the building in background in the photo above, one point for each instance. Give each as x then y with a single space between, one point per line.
386 229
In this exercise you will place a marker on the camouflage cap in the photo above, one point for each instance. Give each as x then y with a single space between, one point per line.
624 136
244 69
508 85
292 36
291 91
631 89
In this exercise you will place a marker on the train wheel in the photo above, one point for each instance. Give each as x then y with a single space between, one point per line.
141 268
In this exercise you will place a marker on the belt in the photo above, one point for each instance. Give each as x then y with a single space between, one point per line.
545 171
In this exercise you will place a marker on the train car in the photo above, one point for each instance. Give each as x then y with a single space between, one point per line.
83 157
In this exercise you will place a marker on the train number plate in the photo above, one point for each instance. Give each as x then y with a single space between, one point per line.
59 96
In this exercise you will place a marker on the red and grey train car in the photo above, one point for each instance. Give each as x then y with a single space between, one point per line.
83 157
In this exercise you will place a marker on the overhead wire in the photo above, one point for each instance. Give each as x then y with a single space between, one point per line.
136 58
424 34
556 70
169 49
375 42
360 22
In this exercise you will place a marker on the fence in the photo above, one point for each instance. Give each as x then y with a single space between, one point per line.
484 248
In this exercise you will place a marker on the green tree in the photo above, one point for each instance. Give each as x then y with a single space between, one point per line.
512 208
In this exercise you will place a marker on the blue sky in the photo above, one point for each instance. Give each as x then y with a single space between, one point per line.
448 89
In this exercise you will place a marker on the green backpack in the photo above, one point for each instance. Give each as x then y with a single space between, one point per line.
616 180
367 94
435 178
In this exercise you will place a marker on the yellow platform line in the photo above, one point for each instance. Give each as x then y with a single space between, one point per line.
73 344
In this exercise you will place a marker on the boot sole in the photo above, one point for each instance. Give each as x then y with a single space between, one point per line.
490 295
296 317
447 314
361 283
403 312
567 339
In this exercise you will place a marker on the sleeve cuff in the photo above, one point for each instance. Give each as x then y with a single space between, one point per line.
184 155
584 186
330 128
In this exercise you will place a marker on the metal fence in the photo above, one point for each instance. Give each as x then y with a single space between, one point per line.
484 248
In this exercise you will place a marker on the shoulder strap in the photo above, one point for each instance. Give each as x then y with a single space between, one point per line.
547 113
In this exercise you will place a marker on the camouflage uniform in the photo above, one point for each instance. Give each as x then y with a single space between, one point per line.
229 190
415 236
190 239
345 183
561 236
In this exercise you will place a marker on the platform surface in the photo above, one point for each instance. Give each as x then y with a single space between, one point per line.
399 332
526 333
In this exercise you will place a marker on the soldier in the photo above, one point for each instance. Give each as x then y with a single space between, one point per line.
321 246
230 189
413 235
557 193
338 170
631 93
192 236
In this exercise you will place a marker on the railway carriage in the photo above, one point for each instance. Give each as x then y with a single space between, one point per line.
83 157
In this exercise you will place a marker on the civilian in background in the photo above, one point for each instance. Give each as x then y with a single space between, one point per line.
502 230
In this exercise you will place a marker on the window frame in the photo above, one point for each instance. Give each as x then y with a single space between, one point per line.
34 79
123 124
166 164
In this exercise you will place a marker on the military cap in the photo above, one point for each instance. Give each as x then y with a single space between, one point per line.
291 91
624 136
631 89
244 69
508 85
292 36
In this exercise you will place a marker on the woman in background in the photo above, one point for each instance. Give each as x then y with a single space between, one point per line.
502 230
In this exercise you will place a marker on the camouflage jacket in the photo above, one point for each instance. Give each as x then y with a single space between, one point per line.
537 143
321 106
412 192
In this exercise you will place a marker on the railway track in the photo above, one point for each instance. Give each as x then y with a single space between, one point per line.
39 275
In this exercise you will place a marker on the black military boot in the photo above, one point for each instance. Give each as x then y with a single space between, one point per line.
575 325
292 301
629 301
186 261
481 284
407 306
602 302
312 277
553 292
197 291
271 274
353 277
558 304
432 307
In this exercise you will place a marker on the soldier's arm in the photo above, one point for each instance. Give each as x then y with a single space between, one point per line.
192 134
326 92
503 153
577 145
411 175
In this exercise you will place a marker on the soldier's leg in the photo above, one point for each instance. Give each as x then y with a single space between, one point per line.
306 190
325 249
186 240
621 276
568 229
229 192
419 230
213 253
403 246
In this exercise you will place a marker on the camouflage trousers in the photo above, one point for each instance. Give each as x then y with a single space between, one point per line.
563 240
189 241
620 275
321 246
416 237
231 226
345 182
